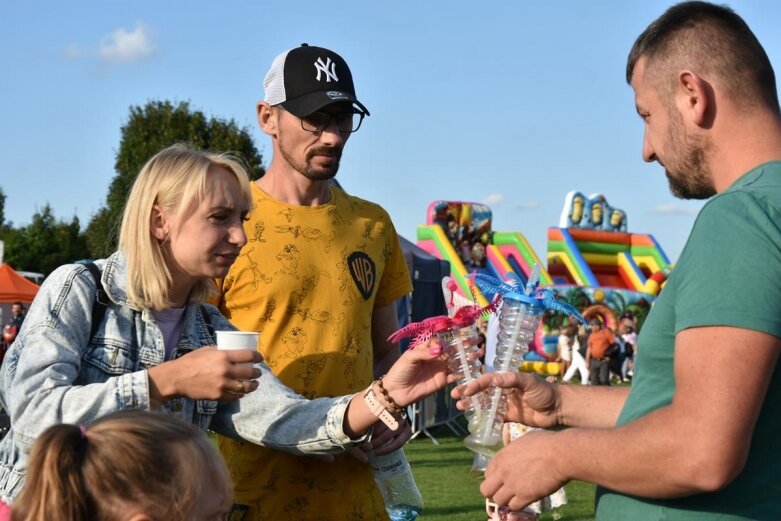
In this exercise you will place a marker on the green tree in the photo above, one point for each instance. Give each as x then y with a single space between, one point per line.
2 209
45 243
148 130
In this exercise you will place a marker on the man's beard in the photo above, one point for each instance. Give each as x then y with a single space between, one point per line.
688 172
308 170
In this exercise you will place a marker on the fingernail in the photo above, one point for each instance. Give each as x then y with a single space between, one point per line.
435 350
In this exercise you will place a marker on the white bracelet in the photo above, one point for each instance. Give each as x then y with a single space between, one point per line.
379 409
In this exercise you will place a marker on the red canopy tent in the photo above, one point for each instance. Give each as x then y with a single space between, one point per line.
14 287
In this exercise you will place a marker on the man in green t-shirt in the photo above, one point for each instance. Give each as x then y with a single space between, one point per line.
697 435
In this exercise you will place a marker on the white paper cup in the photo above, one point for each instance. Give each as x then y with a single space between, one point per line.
232 340
237 340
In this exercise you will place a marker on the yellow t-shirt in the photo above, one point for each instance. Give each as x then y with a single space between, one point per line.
308 281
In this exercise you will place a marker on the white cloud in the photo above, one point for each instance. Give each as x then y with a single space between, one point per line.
494 200
674 209
73 51
528 205
122 45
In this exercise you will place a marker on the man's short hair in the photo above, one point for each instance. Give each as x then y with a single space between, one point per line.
713 41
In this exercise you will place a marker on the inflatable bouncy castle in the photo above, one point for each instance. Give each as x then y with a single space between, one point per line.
460 233
593 262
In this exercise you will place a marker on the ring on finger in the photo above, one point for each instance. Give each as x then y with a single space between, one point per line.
239 387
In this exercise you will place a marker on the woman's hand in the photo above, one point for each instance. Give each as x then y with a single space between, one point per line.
206 374
385 441
419 372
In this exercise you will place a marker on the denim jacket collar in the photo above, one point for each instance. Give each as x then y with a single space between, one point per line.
196 329
114 279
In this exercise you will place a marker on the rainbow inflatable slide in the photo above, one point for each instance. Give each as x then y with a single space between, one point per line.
591 247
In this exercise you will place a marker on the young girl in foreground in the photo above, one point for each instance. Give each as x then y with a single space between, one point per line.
128 466
154 346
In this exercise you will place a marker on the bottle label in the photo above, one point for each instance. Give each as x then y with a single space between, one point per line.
385 468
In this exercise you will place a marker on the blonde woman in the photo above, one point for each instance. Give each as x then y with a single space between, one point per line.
153 347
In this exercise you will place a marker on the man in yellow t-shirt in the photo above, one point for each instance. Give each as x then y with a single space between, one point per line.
318 279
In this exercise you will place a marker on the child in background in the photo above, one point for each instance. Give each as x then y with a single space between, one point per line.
497 513
126 465
511 431
628 335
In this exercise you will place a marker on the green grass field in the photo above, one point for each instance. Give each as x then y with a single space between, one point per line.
451 491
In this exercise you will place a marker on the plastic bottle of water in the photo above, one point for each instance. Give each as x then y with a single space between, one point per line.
518 320
518 323
517 326
463 360
393 476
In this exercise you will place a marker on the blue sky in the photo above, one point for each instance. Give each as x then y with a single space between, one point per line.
509 103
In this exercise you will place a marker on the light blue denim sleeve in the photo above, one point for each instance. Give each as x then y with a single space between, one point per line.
275 416
40 370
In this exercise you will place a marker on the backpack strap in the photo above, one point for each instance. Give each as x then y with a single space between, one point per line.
208 322
101 302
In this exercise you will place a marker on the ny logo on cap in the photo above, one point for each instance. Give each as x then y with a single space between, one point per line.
328 68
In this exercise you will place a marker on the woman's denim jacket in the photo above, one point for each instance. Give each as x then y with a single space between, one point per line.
55 373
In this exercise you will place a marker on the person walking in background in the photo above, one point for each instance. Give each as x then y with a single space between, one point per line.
318 279
128 465
616 356
626 330
599 341
564 352
152 346
628 317
695 437
583 334
569 340
12 328
17 315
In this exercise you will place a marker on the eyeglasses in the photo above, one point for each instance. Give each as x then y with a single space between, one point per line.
345 121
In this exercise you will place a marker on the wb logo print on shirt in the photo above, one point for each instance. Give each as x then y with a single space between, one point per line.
328 68
363 272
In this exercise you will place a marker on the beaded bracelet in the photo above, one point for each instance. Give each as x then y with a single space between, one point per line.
394 407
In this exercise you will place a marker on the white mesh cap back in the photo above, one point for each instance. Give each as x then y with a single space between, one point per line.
274 82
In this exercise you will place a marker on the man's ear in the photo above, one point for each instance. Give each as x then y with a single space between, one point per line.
696 98
158 223
267 119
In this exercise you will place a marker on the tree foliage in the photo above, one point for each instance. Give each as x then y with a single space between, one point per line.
149 129
2 209
45 243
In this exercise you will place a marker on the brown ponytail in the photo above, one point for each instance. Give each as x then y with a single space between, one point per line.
56 462
127 463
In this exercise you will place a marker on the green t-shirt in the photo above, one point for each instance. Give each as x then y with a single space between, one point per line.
729 273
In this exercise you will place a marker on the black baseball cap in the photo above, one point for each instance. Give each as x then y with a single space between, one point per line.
305 79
